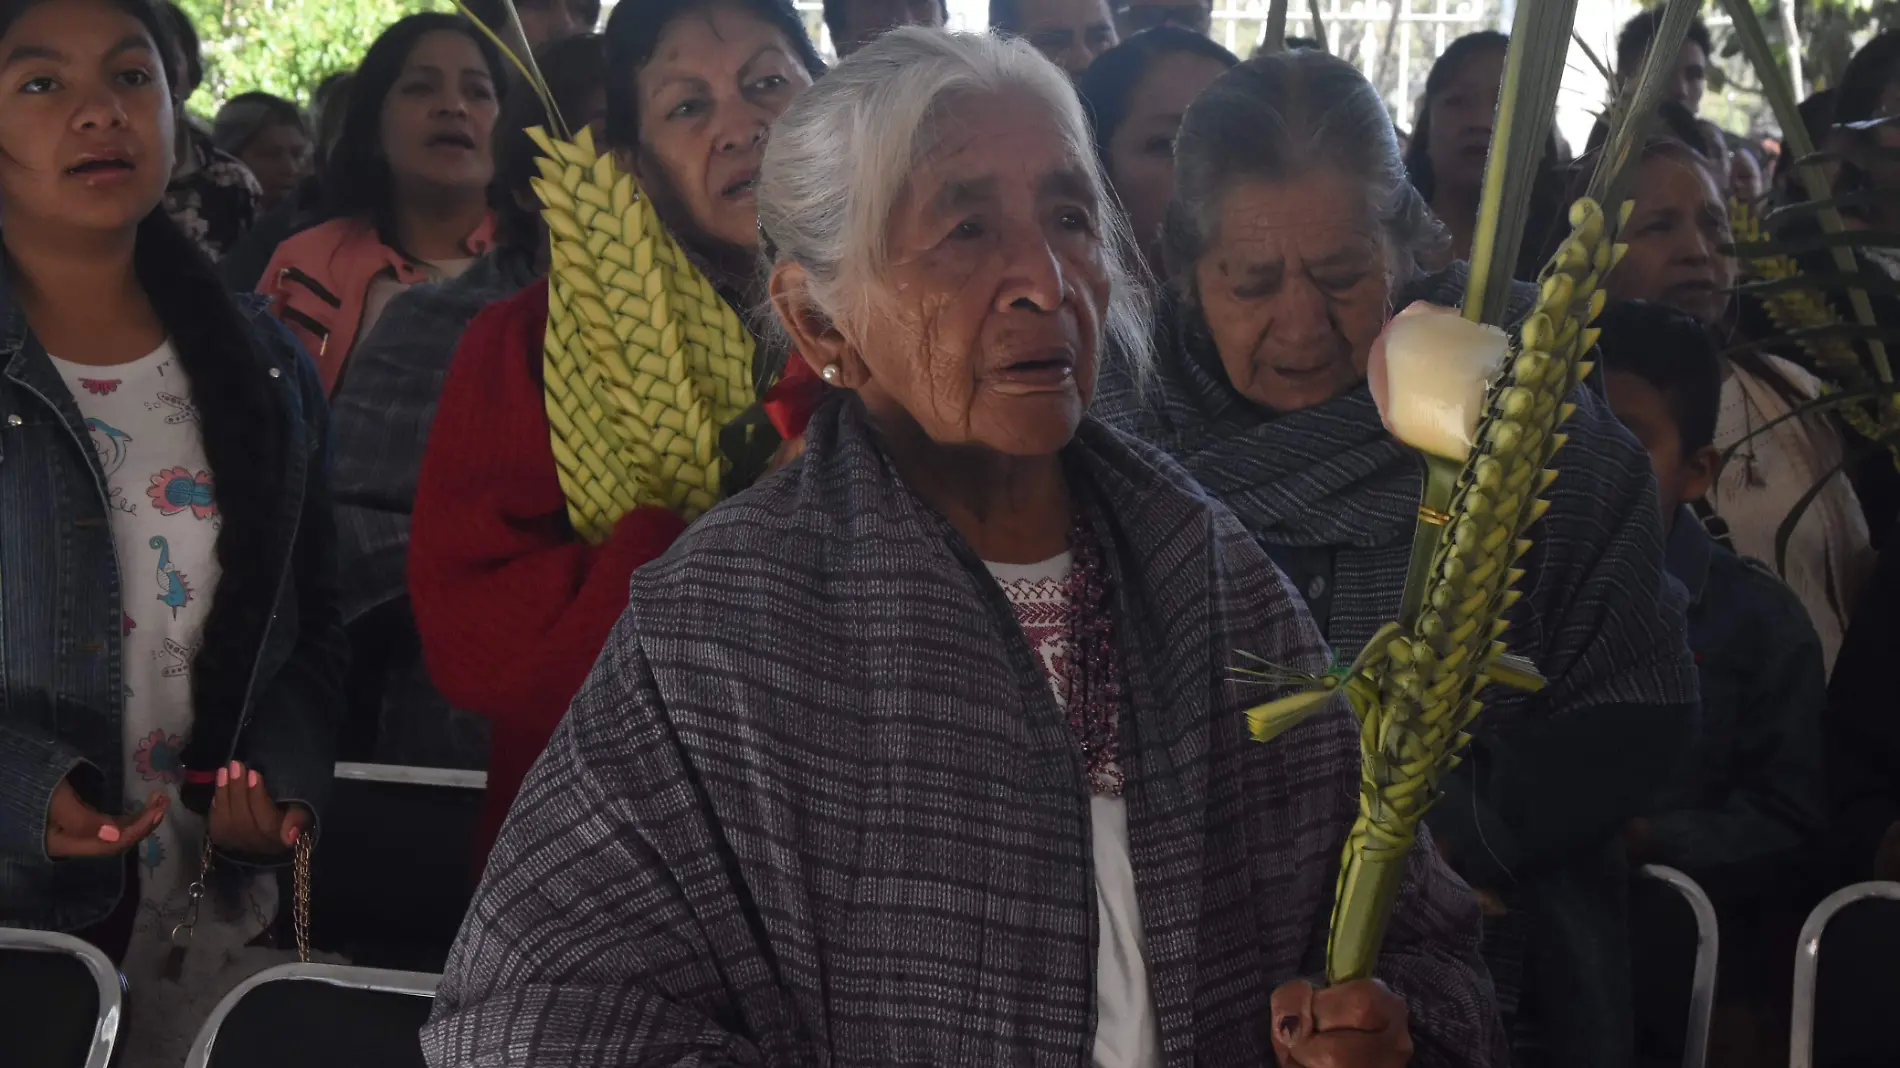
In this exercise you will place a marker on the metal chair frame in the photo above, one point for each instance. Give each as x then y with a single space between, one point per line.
105 1029
1807 962
1708 949
415 984
406 775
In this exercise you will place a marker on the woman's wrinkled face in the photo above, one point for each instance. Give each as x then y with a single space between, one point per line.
1675 235
1461 118
989 321
717 80
279 155
1294 288
439 117
1141 153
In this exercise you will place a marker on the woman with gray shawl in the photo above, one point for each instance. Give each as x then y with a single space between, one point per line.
926 749
1291 239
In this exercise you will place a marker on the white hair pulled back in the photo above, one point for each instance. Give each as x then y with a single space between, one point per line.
839 158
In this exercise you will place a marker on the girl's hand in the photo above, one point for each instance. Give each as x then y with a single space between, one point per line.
76 829
1360 1024
244 819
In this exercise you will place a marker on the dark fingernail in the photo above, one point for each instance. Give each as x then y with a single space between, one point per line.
1289 1026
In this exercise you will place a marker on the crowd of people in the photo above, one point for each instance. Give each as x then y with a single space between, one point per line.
925 744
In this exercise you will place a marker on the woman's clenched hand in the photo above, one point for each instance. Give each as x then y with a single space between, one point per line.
1361 1024
244 819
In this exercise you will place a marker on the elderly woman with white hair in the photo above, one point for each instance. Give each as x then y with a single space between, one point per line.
926 749
1292 237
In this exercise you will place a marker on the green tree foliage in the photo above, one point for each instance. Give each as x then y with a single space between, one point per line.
286 46
1831 30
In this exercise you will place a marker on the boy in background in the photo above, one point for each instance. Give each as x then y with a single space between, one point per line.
1753 798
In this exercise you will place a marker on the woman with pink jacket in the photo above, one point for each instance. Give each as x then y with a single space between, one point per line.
405 187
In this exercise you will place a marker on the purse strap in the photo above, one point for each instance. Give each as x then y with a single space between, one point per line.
299 903
300 896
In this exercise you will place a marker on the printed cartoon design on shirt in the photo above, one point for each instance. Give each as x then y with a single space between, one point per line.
103 387
176 658
177 489
127 624
111 443
157 915
152 852
113 446
173 591
181 410
157 757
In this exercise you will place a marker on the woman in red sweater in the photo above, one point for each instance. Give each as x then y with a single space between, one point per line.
511 605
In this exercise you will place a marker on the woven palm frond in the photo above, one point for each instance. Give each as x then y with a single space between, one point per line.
645 361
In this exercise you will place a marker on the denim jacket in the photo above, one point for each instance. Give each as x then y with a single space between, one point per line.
61 687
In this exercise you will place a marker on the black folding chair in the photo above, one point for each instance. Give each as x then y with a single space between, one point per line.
395 872
1674 949
318 1016
60 1001
1676 946
1845 1019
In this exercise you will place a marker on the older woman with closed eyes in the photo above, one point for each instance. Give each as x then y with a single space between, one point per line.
926 749
1292 238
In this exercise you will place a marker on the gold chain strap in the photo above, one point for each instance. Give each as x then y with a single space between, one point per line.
299 904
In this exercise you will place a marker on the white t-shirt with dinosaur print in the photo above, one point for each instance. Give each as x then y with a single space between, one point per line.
163 507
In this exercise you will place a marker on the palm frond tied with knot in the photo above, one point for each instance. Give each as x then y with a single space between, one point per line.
1485 410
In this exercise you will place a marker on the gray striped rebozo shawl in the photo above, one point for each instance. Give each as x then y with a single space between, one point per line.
816 805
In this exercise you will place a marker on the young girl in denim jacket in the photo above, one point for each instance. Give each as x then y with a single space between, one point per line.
169 648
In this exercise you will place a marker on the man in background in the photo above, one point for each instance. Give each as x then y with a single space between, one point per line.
1687 81
1134 16
856 23
543 22
1070 32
